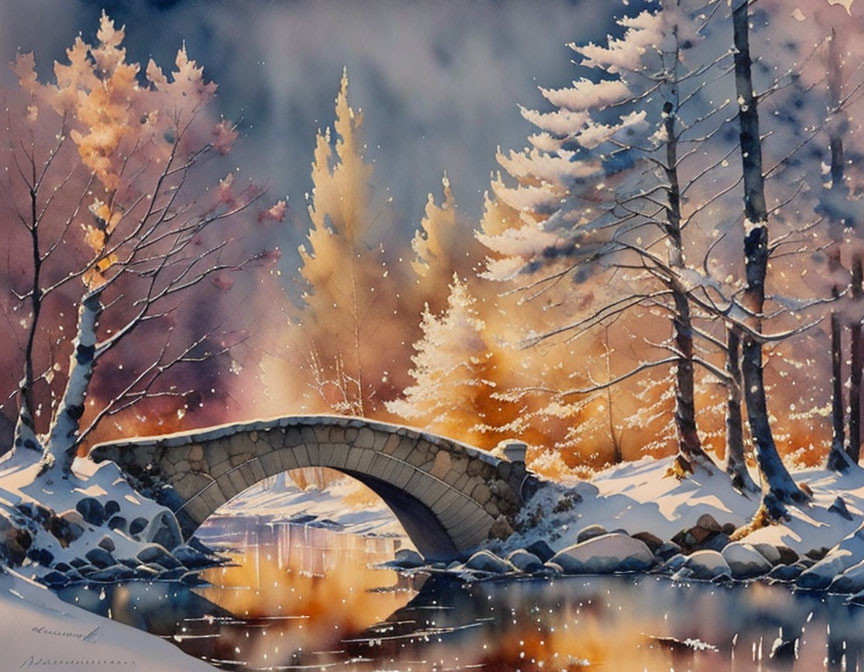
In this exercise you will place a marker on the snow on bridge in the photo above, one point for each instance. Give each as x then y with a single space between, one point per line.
448 496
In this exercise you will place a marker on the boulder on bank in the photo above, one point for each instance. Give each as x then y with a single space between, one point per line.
91 510
99 557
590 532
604 555
487 561
850 581
835 562
164 530
541 549
524 561
157 554
745 561
785 572
705 566
407 558
652 541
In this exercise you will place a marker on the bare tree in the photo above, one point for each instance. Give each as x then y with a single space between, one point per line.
123 169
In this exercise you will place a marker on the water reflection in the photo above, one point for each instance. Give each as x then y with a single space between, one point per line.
303 597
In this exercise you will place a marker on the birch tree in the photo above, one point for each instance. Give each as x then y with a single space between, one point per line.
104 181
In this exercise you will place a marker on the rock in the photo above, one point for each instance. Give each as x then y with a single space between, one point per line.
63 567
728 529
406 558
524 561
817 553
551 569
77 562
541 549
814 579
590 532
112 574
117 523
111 508
850 581
163 530
145 572
673 564
100 558
841 558
192 580
92 510
769 552
137 525
154 553
605 554
14 541
653 542
839 507
486 561
131 563
68 527
707 565
745 561
41 556
107 543
717 541
707 522
195 559
667 550
787 555
501 528
54 579
785 572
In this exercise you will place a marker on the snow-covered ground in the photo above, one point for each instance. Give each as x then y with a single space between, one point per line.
42 632
638 496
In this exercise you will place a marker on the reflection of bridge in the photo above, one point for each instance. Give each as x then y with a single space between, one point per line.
448 496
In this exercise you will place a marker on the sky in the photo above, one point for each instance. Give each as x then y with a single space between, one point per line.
439 82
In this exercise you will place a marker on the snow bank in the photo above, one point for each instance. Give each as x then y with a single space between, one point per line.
43 632
639 497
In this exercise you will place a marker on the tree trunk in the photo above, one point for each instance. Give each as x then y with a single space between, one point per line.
63 438
838 459
778 487
690 451
736 463
857 345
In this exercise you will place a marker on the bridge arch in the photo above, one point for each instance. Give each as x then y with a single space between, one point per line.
448 496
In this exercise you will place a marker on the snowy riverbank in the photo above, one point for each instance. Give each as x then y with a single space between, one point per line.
41 632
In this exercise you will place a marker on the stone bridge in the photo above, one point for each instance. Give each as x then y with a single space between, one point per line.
449 497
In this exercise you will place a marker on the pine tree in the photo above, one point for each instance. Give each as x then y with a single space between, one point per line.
353 297
455 368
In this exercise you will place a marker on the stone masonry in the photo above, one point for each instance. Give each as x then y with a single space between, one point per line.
449 497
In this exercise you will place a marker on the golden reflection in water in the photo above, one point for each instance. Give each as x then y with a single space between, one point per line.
305 589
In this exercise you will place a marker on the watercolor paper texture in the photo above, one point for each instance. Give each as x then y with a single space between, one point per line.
431 336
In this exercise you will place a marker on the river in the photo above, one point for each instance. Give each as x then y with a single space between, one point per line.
310 598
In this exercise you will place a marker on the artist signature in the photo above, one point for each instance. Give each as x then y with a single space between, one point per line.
84 663
89 637
42 662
